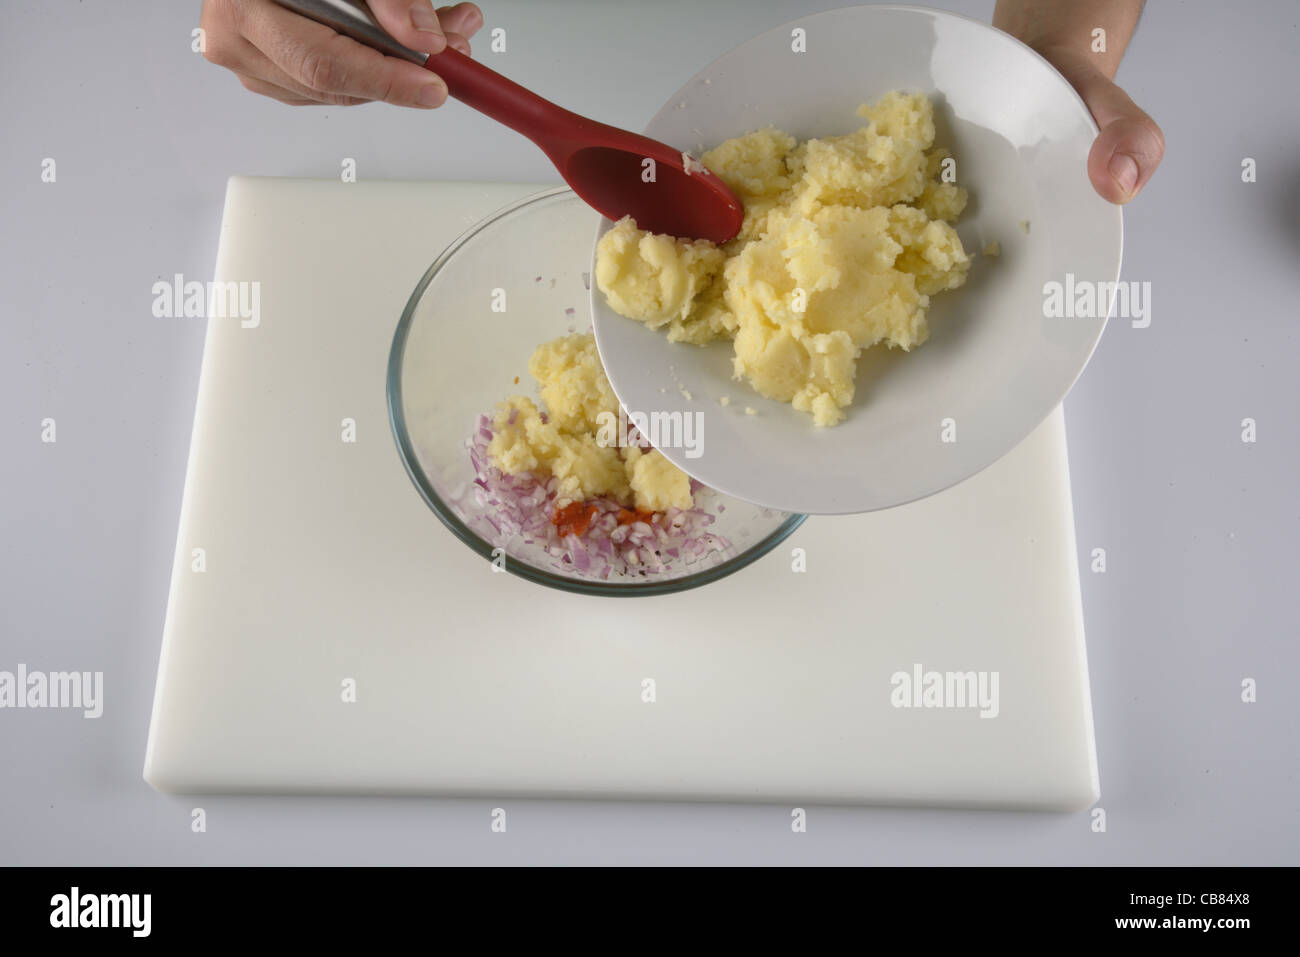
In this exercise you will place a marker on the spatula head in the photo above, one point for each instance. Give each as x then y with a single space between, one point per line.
651 184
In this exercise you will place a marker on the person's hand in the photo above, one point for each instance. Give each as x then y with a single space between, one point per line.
295 60
1130 145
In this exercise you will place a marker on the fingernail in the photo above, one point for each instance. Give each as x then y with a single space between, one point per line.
1124 171
423 18
431 94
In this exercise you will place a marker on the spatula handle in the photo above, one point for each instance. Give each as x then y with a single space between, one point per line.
500 98
353 18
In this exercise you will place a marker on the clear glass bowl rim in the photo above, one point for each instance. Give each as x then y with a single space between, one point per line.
448 516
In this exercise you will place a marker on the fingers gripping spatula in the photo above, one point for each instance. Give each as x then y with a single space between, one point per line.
604 165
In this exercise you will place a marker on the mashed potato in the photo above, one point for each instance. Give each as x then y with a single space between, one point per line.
564 442
845 240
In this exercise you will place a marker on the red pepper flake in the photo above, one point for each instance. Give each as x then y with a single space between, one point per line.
516 380
627 516
574 518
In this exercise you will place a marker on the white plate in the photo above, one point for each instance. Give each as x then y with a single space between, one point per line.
994 364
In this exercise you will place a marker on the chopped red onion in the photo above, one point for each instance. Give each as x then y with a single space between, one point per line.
521 506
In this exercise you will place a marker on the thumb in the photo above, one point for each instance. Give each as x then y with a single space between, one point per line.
1130 145
411 22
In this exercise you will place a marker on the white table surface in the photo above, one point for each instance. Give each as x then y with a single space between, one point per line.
1199 528
770 685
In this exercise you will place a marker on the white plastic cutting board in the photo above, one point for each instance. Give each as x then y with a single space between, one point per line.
324 566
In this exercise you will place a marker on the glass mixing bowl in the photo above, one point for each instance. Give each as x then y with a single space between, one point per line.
514 281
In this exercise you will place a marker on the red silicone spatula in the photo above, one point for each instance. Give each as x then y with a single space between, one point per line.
616 172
